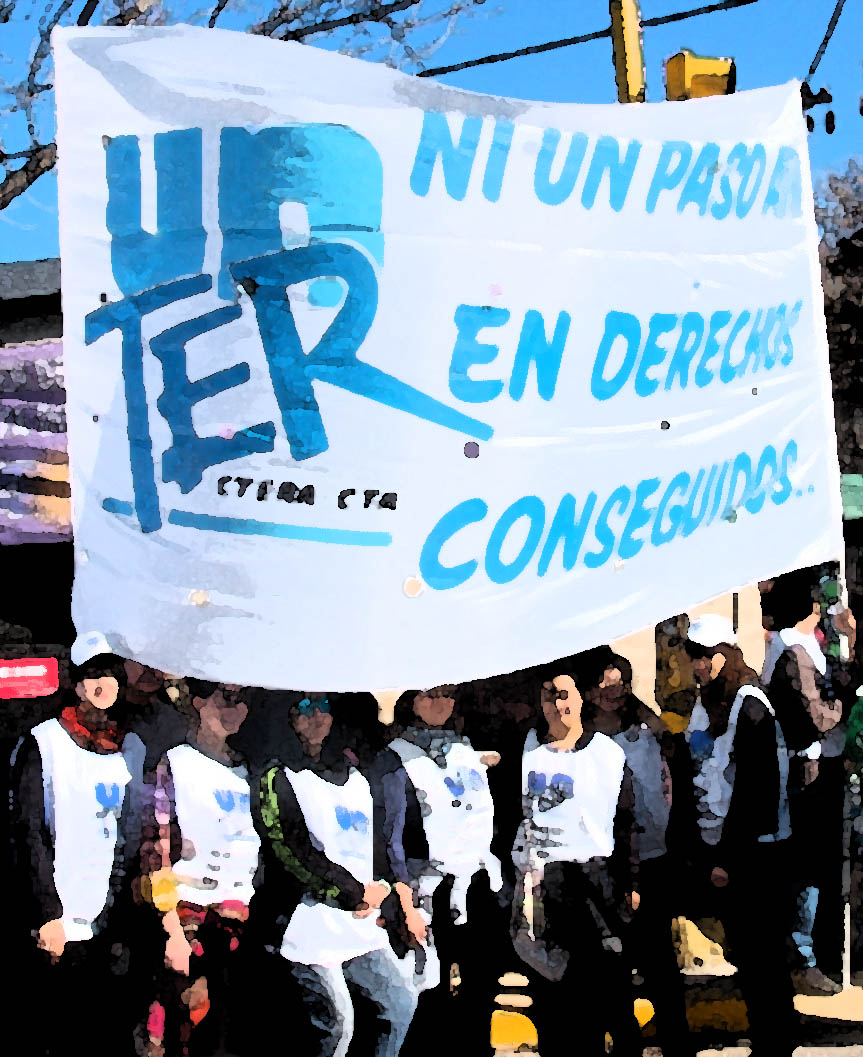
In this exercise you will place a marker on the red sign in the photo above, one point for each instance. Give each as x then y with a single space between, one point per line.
29 677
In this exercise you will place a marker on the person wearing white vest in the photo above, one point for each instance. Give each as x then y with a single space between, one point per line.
741 864
316 814
462 886
198 868
75 826
577 855
805 687
614 710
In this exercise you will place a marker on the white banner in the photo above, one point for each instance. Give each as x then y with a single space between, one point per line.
375 383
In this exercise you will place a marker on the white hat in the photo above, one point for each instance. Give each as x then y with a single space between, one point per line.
711 629
87 646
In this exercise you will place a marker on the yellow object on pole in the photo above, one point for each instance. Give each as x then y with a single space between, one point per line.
628 50
690 76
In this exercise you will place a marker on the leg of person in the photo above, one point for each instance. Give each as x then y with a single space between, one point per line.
483 950
379 977
651 948
757 925
434 1004
328 1008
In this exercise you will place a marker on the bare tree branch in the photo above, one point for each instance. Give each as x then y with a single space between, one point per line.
43 49
87 12
217 10
41 160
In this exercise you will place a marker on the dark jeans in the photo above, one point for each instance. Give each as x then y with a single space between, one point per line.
596 994
652 951
482 948
83 1004
756 908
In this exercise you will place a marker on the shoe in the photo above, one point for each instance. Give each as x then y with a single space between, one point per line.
813 982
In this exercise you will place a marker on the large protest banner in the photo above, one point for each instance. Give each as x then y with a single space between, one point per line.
374 382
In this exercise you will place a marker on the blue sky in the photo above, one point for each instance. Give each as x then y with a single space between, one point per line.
772 42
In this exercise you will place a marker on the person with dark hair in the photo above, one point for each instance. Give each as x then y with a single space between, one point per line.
75 826
614 710
461 886
577 855
741 864
805 686
199 858
324 890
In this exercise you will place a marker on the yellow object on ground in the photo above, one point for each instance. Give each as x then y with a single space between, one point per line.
847 1005
644 1011
510 1031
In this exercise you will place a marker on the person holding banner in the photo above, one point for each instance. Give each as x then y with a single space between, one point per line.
616 712
577 856
199 862
462 887
807 688
324 891
75 826
741 864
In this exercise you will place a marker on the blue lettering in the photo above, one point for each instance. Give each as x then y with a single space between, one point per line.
606 157
470 320
639 516
746 162
140 260
189 455
498 571
698 186
673 162
457 161
783 191
442 577
565 527
617 325
653 353
604 535
718 321
552 194
534 347
691 333
497 158
658 536
728 371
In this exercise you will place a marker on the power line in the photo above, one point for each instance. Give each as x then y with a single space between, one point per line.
566 42
831 25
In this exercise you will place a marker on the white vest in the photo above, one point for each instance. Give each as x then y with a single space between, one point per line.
215 820
652 810
457 808
574 794
84 795
339 818
714 772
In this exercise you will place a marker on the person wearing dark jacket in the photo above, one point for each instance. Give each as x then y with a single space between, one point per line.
741 863
462 884
807 688
321 902
199 858
76 798
577 853
615 711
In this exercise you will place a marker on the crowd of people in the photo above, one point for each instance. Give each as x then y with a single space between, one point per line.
208 869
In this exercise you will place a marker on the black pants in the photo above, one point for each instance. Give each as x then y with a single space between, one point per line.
756 909
482 948
651 949
596 994
83 1004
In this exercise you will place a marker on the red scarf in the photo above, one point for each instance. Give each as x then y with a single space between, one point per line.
101 739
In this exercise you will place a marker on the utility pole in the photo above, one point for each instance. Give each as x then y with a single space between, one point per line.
628 50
